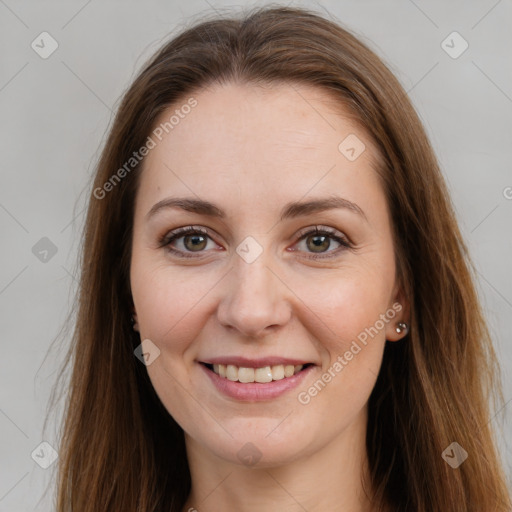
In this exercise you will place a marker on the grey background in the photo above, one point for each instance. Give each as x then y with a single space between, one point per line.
55 113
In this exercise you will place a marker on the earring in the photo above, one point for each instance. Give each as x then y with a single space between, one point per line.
402 326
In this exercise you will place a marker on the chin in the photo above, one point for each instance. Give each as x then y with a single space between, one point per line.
258 446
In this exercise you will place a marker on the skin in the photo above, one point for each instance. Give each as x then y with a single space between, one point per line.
250 150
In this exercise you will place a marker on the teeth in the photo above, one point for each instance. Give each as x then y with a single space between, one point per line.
246 374
262 375
231 372
278 372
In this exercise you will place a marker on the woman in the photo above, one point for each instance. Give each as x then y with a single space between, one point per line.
276 308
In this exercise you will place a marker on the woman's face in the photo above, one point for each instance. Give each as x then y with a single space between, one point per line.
257 293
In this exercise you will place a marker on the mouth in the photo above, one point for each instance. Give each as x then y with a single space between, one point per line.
255 381
261 375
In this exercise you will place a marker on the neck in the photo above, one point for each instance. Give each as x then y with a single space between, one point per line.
328 479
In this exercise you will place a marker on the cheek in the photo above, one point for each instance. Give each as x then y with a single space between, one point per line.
169 304
348 322
169 309
352 343
345 305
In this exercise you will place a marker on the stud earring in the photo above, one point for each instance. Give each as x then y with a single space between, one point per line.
402 326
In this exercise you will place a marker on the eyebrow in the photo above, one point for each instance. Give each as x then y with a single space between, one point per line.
289 211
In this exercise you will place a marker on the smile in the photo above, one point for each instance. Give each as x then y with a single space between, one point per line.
255 380
262 375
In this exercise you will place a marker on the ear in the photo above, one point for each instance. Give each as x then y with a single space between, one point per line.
401 306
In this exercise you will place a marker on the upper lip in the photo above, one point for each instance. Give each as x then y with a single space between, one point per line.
261 362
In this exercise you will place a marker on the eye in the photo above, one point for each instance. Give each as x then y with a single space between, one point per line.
315 241
319 240
192 239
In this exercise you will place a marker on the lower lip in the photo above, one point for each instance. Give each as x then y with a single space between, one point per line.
256 391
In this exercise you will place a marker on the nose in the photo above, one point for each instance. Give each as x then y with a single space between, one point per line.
255 301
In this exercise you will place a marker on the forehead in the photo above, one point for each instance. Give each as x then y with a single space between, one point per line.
250 142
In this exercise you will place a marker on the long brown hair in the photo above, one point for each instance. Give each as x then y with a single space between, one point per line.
122 451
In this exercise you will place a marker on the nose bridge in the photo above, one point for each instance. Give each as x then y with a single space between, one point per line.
253 300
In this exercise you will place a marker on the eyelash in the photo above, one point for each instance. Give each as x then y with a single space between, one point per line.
167 239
